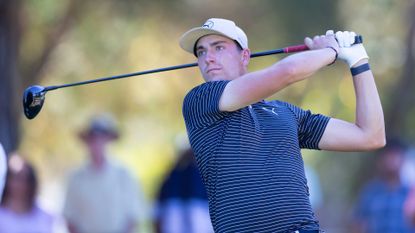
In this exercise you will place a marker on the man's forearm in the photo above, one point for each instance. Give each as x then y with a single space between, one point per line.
369 113
307 63
261 84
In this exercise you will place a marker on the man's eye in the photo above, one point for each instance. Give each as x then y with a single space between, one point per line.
200 53
218 48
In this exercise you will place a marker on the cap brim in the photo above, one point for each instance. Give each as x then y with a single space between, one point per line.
188 39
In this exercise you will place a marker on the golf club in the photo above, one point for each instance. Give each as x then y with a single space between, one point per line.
34 96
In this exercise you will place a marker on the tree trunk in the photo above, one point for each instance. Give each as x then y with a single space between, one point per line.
10 84
400 106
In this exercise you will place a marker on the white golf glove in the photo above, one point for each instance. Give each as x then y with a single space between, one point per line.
349 52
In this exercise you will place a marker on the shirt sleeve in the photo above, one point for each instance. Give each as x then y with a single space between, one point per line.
310 127
201 105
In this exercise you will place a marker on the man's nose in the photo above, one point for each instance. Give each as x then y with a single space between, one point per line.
210 57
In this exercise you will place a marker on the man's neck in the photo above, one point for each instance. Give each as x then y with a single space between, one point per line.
392 181
99 162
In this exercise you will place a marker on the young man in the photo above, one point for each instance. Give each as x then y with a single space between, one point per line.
248 149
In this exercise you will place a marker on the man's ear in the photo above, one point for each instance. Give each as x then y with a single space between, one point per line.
246 56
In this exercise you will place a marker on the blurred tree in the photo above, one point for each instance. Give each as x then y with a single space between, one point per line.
399 114
25 60
305 18
9 81
15 71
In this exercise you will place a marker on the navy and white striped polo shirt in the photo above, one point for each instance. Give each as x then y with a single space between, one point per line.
250 161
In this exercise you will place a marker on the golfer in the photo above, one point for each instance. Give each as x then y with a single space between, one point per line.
248 149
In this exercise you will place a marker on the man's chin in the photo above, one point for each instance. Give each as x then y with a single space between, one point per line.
210 78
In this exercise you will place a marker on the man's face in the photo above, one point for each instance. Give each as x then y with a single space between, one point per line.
97 144
391 161
219 58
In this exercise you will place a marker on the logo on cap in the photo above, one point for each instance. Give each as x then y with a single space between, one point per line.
208 24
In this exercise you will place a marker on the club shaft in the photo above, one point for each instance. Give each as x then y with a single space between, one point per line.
289 49
258 54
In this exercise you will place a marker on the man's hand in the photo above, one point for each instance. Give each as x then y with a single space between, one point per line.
349 52
258 85
322 41
368 130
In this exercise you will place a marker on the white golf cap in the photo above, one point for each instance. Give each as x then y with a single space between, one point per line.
217 26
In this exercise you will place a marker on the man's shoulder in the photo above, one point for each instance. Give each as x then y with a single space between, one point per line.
203 100
78 171
377 185
203 88
120 169
199 86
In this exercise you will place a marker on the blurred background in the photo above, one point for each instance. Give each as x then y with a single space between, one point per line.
48 42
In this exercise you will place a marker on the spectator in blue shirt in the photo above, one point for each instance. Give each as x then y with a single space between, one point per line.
248 149
182 205
380 208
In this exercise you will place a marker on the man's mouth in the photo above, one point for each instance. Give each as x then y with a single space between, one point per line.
212 69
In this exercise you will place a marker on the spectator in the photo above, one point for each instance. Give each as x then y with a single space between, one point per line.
19 211
381 204
182 201
102 196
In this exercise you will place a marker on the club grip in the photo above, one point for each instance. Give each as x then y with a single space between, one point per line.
299 48
295 48
358 39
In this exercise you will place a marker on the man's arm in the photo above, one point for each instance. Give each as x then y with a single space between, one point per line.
368 130
253 87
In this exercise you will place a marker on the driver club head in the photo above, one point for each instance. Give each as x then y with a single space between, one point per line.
33 98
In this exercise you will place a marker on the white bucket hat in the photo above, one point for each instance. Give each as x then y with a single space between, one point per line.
217 26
